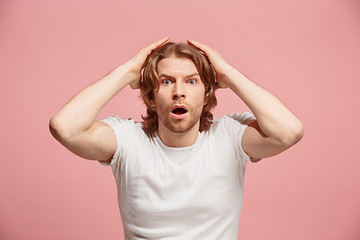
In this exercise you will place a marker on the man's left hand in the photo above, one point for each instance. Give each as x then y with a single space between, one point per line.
221 67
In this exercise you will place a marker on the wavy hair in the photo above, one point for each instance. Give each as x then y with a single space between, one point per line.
150 82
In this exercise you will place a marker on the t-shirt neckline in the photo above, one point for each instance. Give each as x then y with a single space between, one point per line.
163 145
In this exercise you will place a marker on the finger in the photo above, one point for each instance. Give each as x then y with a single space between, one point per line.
216 87
200 46
135 85
160 42
156 44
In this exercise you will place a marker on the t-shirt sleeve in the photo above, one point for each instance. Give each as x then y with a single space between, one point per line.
236 125
121 128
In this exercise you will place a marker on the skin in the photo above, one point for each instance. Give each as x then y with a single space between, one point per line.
75 126
276 128
180 84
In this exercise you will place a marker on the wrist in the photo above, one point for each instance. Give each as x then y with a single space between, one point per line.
227 76
234 77
127 72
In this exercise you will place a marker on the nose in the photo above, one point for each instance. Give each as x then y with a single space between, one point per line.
178 91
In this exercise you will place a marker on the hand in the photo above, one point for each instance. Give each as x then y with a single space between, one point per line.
221 67
136 62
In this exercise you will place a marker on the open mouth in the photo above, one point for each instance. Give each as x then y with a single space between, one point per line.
179 110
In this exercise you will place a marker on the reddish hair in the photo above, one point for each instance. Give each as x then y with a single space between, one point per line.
150 82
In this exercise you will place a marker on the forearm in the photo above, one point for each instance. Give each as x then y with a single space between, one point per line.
273 117
81 111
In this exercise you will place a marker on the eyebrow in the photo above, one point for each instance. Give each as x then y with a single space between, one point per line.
168 76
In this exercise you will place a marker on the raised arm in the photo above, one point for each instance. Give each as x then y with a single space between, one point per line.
276 128
75 125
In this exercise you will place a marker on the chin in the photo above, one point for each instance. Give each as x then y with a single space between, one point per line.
179 129
182 127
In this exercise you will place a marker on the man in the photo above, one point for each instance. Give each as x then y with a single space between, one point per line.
179 174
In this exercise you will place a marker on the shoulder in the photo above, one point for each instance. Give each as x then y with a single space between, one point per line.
232 126
128 133
116 123
125 128
235 119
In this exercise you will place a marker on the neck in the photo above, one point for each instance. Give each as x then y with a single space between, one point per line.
178 140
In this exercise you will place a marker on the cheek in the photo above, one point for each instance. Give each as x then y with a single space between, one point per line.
160 98
161 101
199 94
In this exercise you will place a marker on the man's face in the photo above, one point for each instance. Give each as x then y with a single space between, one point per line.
180 99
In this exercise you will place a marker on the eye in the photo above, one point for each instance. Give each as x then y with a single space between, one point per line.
192 81
166 82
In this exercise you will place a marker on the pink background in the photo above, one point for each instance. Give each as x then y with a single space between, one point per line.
305 52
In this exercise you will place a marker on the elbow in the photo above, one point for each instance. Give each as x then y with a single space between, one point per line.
54 127
298 134
57 129
293 135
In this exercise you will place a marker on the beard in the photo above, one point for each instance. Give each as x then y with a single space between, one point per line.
180 125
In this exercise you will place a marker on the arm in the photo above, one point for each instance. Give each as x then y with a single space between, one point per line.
75 125
275 129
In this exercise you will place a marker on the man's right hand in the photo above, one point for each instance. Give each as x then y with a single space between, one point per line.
75 125
136 63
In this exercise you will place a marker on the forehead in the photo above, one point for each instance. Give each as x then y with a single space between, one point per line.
176 65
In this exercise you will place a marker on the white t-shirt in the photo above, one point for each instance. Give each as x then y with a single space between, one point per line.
185 193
